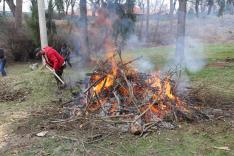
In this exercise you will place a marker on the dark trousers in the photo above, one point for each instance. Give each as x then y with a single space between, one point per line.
60 74
2 67
68 61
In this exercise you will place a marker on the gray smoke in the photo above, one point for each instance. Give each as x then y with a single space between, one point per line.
144 65
134 43
194 57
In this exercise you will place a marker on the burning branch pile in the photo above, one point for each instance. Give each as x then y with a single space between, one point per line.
118 92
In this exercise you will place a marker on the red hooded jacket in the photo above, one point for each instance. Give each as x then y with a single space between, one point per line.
53 58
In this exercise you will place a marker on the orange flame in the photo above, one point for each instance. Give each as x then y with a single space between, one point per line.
160 94
106 83
109 80
161 90
168 90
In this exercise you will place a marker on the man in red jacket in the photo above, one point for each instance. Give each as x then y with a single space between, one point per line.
54 60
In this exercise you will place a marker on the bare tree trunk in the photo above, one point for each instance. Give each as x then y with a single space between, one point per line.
172 8
12 6
73 12
66 10
158 22
174 5
197 7
147 19
103 4
203 6
42 23
67 5
221 4
84 30
180 37
18 14
4 7
73 3
232 7
142 21
94 9
210 5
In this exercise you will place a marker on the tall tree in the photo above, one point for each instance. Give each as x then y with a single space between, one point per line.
11 5
210 5
67 5
180 37
18 14
50 25
16 11
141 5
104 3
221 4
231 5
33 23
147 18
197 2
73 3
172 9
60 6
4 7
84 30
203 6
94 5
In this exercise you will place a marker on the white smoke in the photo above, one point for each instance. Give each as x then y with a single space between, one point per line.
133 43
183 82
194 56
144 65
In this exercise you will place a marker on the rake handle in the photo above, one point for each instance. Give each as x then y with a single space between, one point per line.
52 71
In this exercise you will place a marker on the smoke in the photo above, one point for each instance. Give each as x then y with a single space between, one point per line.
194 58
183 83
144 65
134 43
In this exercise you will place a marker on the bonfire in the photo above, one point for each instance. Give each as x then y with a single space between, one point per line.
119 97
119 94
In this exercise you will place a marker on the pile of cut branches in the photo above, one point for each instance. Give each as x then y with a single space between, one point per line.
119 94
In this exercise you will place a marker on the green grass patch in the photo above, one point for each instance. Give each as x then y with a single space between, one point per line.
199 139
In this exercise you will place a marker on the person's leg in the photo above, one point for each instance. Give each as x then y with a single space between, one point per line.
68 62
4 72
3 68
57 80
59 73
